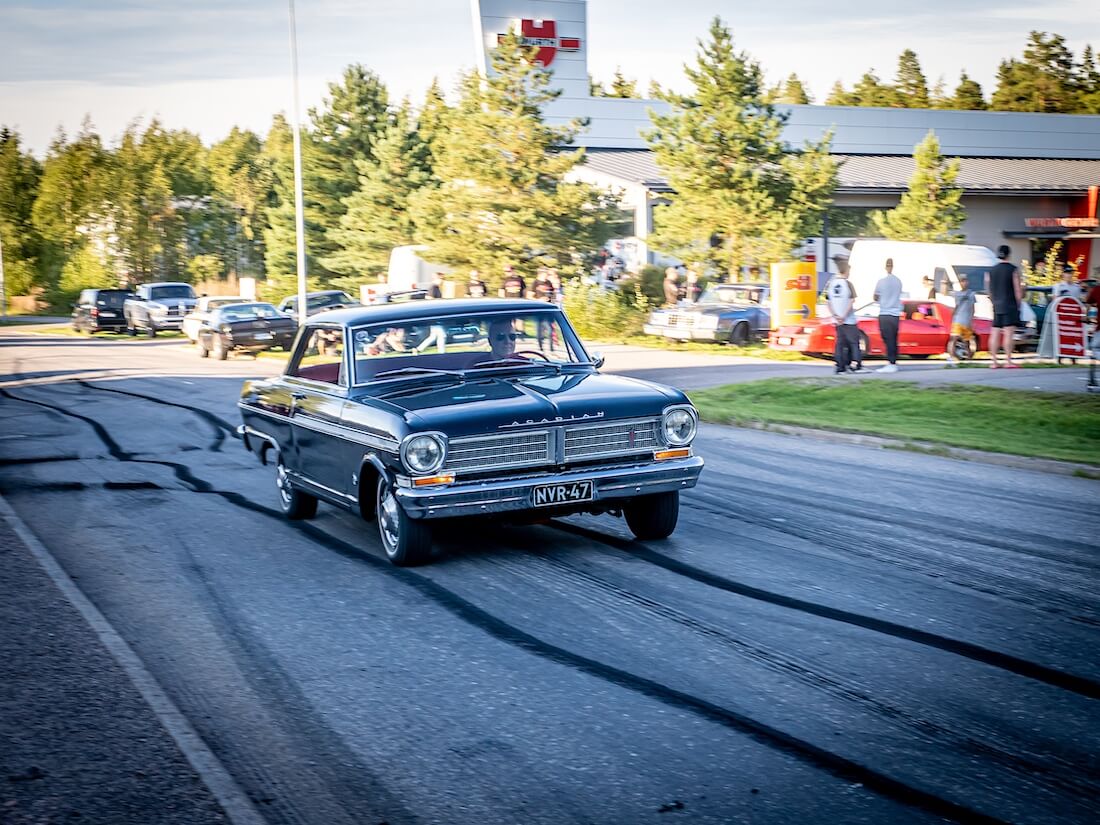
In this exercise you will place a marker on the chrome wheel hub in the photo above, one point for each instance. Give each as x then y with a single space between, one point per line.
388 520
282 481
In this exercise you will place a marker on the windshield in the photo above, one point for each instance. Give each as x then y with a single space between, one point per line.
457 344
732 295
158 293
248 312
975 275
111 297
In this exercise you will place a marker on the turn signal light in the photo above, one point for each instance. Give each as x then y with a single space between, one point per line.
664 455
430 480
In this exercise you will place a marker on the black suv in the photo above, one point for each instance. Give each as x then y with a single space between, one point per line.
99 310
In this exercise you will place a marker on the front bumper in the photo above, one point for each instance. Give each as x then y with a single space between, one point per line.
687 334
797 342
476 498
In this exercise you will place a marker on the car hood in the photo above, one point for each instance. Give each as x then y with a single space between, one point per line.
492 403
710 309
174 303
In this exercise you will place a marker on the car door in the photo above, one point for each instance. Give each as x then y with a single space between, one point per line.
318 384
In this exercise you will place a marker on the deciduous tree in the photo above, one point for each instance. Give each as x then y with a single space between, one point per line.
19 176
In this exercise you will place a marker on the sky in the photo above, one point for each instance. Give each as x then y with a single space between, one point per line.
207 65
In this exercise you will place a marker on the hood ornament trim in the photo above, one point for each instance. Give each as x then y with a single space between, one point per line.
558 419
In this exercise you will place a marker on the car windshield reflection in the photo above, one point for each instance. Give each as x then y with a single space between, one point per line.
455 345
733 295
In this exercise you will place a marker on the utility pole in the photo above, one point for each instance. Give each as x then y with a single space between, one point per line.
299 207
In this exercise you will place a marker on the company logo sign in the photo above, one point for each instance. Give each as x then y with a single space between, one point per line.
1061 223
543 34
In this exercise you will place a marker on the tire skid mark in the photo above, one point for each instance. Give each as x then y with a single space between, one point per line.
838 505
777 662
1021 667
77 486
42 459
959 573
469 613
217 423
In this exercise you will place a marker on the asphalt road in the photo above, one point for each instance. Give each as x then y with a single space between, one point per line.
834 633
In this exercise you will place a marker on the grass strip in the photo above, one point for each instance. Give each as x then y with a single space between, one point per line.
1063 426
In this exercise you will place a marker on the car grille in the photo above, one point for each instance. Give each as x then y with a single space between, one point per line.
557 445
498 451
675 320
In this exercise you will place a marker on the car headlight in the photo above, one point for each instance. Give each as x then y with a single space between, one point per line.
423 452
679 426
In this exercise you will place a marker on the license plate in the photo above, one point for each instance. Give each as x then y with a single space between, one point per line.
785 342
548 495
263 336
106 315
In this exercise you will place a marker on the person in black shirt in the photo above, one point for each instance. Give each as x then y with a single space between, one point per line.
514 286
1006 292
476 288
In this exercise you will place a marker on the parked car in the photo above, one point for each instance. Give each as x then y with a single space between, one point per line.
516 423
726 313
318 302
922 331
203 307
100 310
157 307
250 327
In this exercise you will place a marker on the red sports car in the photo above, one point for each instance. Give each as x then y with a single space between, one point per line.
924 329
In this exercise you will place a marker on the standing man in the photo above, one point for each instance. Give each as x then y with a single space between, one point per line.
476 288
672 287
513 286
1006 292
435 291
692 291
842 300
962 321
888 295
1067 286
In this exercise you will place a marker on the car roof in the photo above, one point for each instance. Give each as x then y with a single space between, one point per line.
413 310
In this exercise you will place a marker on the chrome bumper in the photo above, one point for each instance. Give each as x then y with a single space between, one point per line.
474 498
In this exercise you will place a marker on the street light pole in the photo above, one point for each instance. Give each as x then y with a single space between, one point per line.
299 208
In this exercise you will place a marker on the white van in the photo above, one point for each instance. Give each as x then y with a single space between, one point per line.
942 262
408 270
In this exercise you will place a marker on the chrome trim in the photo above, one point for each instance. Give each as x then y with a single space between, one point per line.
350 433
457 444
443 443
299 478
504 495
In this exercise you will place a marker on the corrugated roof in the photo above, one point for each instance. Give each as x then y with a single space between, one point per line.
891 173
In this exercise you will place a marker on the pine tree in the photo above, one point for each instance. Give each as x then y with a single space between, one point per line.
377 217
910 84
1088 83
968 95
741 197
621 86
938 97
502 196
344 129
19 179
431 122
931 210
839 96
792 91
870 91
1042 82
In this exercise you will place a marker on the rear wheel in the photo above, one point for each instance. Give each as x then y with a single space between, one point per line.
151 332
295 504
131 330
407 542
740 335
204 351
653 517
220 351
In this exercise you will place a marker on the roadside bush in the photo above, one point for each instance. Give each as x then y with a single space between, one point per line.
601 314
83 270
652 282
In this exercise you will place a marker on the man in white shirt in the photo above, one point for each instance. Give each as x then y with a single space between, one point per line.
841 296
888 295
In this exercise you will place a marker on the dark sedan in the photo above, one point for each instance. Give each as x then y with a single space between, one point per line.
248 327
411 413
725 313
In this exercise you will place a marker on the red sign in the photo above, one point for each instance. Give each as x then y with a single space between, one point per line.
1061 223
1069 327
544 35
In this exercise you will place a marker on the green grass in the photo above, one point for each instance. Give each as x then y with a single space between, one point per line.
1062 426
59 329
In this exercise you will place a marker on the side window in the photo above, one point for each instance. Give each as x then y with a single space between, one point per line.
320 356
940 282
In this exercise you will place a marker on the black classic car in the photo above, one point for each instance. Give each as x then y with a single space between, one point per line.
251 327
724 313
99 310
410 413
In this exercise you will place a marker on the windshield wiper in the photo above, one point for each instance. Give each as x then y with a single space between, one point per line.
419 371
512 363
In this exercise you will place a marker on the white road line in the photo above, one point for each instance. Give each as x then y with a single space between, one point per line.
234 801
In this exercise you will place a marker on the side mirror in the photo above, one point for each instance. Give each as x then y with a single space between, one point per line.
597 359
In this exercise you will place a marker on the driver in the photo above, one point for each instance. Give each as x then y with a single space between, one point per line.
502 339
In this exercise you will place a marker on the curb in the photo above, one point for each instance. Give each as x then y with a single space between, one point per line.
1042 465
238 808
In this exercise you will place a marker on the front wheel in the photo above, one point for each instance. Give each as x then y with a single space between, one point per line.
295 504
204 351
653 517
151 332
220 351
407 542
